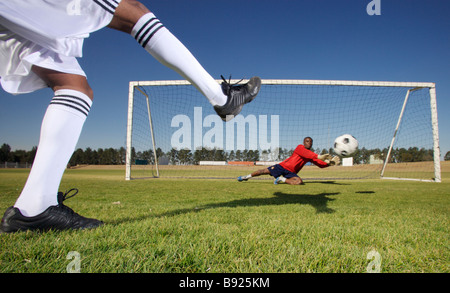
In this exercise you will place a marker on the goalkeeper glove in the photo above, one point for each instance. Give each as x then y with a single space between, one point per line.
334 161
326 158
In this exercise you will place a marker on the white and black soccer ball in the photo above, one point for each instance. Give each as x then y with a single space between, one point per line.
345 145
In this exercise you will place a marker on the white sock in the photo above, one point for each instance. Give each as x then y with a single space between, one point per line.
248 176
282 179
60 130
167 49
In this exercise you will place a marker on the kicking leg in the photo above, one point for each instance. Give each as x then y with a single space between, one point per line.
134 18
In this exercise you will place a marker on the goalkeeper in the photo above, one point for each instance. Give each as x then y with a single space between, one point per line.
287 170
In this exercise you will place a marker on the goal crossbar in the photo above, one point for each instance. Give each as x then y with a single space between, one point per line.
299 82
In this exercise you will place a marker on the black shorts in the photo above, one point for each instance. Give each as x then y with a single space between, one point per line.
277 171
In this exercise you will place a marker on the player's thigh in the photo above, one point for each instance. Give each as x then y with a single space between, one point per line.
264 171
60 80
127 14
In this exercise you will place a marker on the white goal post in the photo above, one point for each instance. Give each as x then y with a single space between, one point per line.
335 105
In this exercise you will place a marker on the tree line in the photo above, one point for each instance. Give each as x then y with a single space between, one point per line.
18 156
112 156
361 156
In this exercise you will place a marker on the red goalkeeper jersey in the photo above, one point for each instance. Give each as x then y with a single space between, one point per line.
299 158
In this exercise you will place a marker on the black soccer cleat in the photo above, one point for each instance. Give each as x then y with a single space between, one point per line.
238 96
59 217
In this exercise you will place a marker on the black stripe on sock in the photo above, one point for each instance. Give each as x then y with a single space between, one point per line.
146 28
87 108
142 28
151 35
73 102
68 105
108 5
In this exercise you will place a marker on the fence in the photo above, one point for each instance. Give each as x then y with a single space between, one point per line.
15 165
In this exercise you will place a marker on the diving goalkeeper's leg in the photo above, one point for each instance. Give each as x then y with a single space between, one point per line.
254 174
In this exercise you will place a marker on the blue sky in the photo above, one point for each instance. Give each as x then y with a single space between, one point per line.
283 39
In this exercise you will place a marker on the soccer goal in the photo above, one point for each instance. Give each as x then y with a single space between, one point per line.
173 131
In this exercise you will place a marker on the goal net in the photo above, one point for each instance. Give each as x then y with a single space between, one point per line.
173 131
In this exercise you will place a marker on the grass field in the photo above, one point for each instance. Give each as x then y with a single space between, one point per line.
223 226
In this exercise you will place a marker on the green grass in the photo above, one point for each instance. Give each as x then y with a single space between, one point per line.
196 226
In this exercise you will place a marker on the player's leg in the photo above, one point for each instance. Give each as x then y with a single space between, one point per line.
286 176
57 81
289 179
260 172
39 206
254 174
293 181
134 18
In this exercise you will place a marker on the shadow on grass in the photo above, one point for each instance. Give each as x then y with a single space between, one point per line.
325 182
318 201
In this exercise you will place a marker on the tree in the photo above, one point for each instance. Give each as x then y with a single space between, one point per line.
88 156
122 153
159 153
77 158
219 155
173 156
231 156
238 155
198 156
447 156
252 156
32 154
185 157
5 150
146 155
109 157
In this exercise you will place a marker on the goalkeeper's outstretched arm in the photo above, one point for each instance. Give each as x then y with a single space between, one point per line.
326 160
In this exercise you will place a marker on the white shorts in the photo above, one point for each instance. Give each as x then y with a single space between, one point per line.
46 33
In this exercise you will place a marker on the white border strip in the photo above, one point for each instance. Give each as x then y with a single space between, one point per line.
300 82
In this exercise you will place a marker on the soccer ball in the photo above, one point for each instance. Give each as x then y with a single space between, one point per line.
345 145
